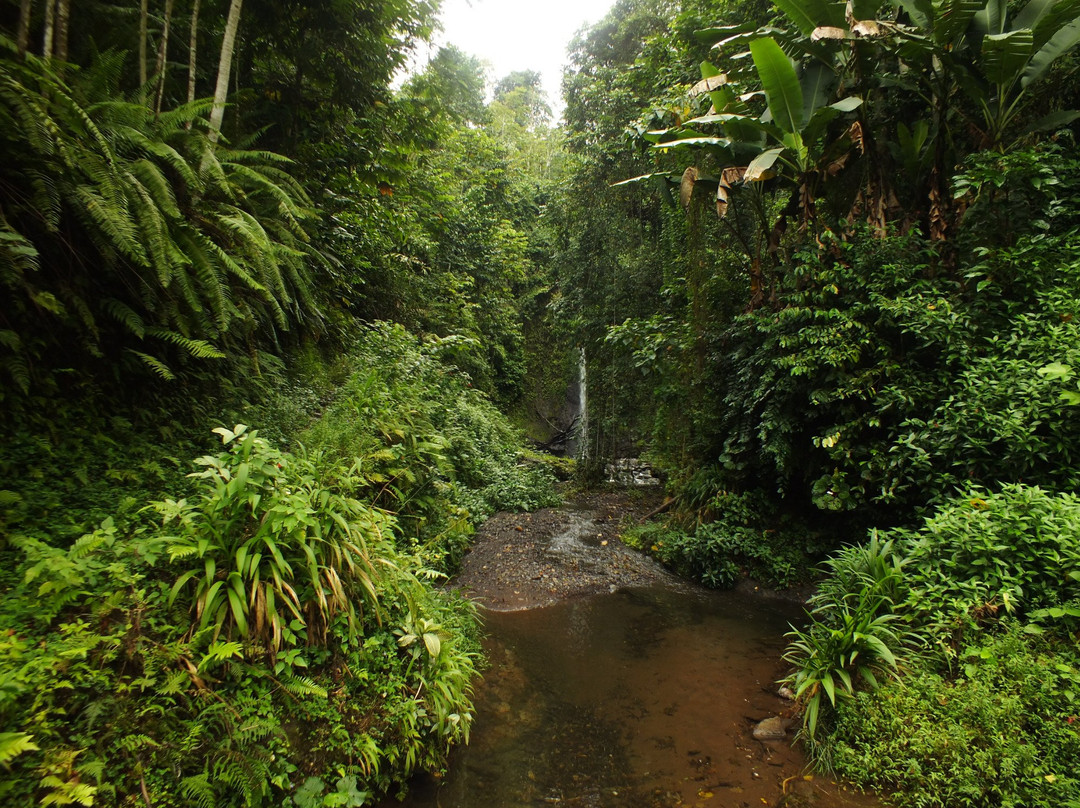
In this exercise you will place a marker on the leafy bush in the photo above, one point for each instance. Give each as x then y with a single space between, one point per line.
1004 733
267 675
854 636
434 451
719 552
935 732
272 540
988 554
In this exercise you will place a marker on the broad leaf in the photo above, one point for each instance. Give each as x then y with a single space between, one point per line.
760 167
953 19
781 85
1058 16
1053 121
715 34
991 19
714 80
920 11
1060 43
817 81
641 178
1005 55
864 9
809 14
824 115
1032 14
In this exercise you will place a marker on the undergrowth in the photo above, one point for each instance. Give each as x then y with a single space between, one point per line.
262 626
943 664
733 539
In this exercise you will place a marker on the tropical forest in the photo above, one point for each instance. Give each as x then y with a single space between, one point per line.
378 430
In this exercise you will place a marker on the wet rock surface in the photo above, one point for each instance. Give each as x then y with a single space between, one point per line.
530 560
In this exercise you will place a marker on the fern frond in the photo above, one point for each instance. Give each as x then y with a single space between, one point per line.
198 348
198 790
303 686
124 315
155 364
13 744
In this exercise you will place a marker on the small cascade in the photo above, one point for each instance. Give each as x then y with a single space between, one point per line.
578 444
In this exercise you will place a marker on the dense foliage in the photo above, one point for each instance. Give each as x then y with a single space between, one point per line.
272 621
216 215
834 288
821 262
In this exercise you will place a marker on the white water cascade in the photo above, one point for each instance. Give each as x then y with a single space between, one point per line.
581 430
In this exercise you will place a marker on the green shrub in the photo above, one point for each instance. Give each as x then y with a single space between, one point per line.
987 554
432 450
1004 733
262 673
734 543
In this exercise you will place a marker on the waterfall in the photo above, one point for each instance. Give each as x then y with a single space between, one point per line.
582 430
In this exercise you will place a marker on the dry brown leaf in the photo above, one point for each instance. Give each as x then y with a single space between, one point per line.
828 32
866 28
709 84
686 186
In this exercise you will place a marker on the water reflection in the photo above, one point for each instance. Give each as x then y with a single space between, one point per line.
636 698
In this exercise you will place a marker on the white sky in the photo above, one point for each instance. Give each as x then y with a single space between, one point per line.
519 34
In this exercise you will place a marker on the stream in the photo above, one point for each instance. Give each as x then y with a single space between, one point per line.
612 683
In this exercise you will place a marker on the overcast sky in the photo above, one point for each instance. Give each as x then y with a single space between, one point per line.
519 34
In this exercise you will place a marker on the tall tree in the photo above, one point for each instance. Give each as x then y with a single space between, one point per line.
221 88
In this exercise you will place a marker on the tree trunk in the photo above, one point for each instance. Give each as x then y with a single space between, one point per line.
162 55
63 15
144 13
221 89
193 45
23 39
47 36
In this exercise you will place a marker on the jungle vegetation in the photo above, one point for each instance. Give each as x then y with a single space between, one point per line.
834 257
265 315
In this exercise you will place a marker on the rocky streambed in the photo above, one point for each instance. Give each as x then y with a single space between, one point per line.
615 684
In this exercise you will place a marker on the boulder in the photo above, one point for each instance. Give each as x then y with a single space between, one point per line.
772 729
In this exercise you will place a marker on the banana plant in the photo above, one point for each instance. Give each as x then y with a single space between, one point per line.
965 44
784 141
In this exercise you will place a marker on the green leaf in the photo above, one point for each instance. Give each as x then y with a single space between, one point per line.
1054 121
781 84
1055 370
1063 41
760 167
990 21
830 687
920 11
13 744
1005 55
1032 14
953 19
809 14
433 643
817 81
812 708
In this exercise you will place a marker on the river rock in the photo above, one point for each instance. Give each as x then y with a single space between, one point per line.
771 729
786 692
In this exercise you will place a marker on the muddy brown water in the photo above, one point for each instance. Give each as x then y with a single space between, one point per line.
637 696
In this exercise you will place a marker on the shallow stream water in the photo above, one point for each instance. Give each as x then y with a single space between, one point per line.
645 696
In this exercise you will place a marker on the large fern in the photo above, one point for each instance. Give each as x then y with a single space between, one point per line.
126 232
